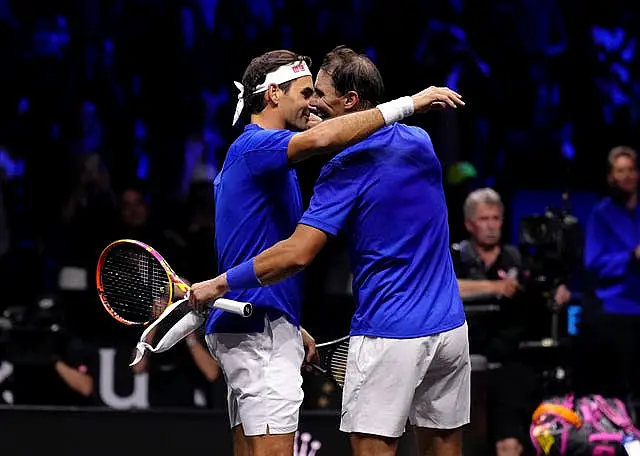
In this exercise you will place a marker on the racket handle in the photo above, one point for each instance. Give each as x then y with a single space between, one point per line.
244 309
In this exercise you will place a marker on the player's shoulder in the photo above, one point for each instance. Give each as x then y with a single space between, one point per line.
393 138
399 131
256 138
411 129
413 133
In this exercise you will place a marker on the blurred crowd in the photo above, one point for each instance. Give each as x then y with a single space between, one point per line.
115 116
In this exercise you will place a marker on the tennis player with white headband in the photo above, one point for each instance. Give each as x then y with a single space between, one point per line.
283 74
258 202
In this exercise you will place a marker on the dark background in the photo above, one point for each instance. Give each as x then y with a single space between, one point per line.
140 93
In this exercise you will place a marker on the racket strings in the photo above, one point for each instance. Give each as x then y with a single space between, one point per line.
135 285
336 361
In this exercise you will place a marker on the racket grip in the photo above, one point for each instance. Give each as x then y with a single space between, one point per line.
244 309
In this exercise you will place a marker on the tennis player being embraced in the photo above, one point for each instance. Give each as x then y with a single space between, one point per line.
408 353
258 202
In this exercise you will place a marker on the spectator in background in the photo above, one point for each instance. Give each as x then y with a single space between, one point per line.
488 271
138 221
175 375
89 211
612 310
134 220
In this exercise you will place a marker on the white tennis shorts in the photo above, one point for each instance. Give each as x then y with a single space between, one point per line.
263 376
426 380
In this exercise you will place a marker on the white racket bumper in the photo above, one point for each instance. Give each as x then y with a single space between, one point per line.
237 307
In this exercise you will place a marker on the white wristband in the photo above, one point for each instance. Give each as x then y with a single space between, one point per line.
396 110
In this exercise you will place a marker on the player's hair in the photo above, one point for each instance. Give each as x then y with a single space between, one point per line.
620 151
481 196
257 71
352 71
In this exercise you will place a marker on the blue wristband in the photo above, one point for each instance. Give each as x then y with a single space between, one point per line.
243 276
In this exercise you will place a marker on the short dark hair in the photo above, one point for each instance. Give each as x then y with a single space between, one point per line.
620 151
257 71
352 71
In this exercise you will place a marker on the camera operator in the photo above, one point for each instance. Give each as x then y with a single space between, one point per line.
611 315
50 366
488 273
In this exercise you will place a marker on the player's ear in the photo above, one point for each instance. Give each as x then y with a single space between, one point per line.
273 93
351 99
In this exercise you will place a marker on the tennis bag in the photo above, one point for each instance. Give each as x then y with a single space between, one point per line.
585 426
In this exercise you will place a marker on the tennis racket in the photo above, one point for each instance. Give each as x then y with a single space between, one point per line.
136 284
333 359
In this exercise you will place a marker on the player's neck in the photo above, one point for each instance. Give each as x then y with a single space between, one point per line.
268 119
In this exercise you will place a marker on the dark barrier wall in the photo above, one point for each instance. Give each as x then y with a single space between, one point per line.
37 431
96 432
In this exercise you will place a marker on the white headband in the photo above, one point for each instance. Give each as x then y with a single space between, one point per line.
285 73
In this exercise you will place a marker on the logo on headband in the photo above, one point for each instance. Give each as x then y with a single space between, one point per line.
299 67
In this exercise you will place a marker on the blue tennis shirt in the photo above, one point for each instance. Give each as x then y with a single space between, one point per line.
612 234
385 194
258 203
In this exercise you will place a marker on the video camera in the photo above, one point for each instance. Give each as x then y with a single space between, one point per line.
551 246
32 336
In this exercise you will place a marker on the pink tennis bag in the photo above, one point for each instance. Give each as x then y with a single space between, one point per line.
585 426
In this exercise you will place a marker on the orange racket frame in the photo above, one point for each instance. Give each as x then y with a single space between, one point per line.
174 279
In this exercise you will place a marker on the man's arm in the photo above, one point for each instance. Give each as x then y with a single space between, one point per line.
473 289
337 133
80 382
282 260
290 256
470 289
